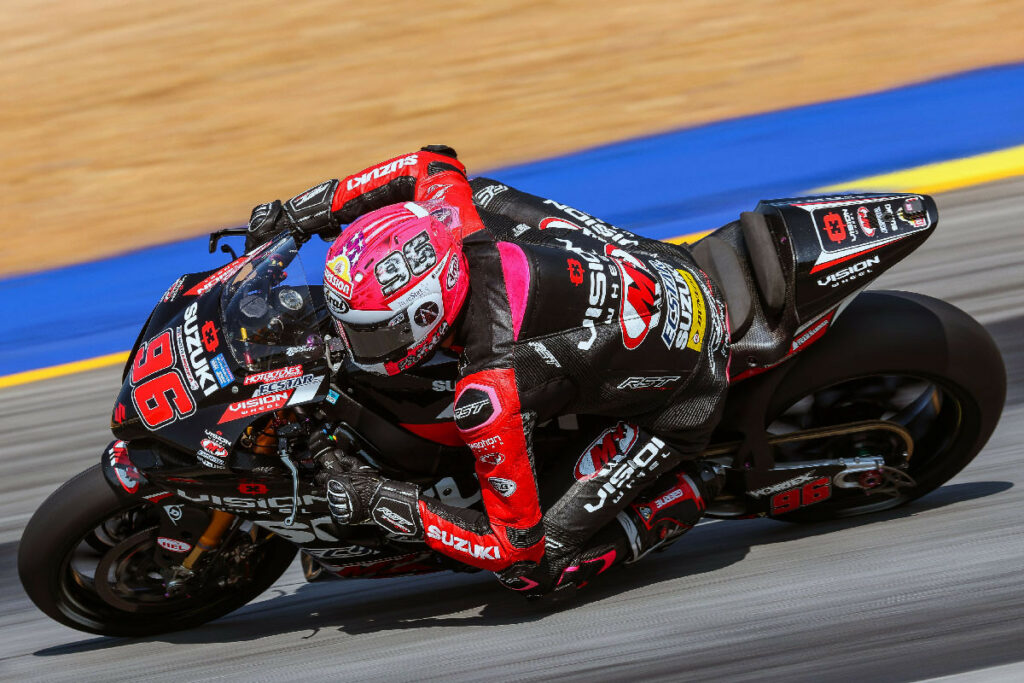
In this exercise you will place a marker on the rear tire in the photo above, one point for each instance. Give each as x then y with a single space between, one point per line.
63 530
901 337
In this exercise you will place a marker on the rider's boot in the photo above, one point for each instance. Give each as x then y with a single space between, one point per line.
655 520
670 508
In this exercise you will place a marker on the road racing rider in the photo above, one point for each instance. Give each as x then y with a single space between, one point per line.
552 313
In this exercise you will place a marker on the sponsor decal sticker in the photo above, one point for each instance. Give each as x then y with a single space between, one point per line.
452 278
255 406
695 322
591 226
639 306
493 458
575 272
274 375
504 487
381 171
553 223
648 458
337 275
210 339
849 273
196 359
173 545
221 370
864 220
127 475
252 488
221 276
465 546
782 485
608 447
396 516
284 384
172 292
834 227
486 194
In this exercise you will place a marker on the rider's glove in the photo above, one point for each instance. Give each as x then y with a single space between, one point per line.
357 493
308 213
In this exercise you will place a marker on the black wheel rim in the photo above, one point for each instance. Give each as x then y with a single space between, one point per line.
931 412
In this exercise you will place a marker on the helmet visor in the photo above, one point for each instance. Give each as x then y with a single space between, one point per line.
376 342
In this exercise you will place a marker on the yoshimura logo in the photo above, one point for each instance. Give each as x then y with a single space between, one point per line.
783 486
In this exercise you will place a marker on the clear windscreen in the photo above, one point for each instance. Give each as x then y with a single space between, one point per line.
270 315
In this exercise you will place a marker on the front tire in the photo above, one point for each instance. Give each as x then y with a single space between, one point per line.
60 544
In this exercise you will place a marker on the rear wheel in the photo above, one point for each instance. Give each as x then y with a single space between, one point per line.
904 359
87 559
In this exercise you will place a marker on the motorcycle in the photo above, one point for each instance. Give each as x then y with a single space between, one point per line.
842 402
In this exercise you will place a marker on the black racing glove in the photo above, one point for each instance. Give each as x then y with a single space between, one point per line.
308 213
357 493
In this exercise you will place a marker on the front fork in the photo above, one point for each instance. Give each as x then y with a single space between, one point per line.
126 480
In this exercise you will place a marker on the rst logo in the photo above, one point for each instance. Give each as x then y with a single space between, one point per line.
849 273
659 382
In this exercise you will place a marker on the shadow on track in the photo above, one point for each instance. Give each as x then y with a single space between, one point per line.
455 600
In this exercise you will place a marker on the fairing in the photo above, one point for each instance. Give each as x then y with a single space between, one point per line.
222 349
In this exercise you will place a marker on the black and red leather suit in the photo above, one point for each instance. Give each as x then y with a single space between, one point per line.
565 315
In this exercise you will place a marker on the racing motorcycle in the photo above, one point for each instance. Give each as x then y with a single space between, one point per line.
844 402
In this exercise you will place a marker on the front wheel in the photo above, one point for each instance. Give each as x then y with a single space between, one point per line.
86 559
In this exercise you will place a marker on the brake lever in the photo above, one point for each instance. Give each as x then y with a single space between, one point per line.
216 236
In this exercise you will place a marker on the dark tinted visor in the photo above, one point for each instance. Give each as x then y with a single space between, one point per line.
376 342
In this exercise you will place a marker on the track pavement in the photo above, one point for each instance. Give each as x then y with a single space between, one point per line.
930 590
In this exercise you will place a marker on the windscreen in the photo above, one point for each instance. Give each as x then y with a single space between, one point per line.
270 314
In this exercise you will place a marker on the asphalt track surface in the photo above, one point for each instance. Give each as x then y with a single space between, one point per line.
931 590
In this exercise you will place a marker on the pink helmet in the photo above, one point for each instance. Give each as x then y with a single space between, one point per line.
395 282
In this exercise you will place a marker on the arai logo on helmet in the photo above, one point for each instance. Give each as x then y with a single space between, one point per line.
453 272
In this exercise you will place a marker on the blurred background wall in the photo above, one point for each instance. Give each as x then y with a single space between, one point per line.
128 123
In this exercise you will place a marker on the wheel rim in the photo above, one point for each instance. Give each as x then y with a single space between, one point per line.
930 411
122 581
